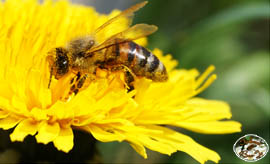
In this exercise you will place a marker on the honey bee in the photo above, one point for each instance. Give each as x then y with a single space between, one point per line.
83 55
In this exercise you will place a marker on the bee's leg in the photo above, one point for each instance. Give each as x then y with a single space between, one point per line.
49 84
77 83
129 76
73 82
81 81
75 78
129 79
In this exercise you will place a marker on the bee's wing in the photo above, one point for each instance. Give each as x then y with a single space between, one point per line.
135 32
115 26
120 18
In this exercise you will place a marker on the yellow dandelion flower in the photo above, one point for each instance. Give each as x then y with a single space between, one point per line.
28 30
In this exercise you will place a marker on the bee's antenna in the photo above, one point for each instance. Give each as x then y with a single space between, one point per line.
50 78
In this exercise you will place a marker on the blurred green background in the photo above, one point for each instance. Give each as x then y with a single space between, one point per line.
232 35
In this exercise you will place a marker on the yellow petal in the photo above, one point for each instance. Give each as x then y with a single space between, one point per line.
61 110
9 122
199 152
3 114
26 127
139 148
213 127
47 132
103 135
4 103
39 114
64 140
207 110
19 105
204 76
184 143
4 89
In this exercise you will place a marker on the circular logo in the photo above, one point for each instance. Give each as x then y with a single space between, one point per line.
250 148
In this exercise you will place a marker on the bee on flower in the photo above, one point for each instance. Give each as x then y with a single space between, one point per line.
83 56
58 75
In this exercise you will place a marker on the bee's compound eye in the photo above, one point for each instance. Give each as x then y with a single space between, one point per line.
62 62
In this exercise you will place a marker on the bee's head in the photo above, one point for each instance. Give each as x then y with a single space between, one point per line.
58 63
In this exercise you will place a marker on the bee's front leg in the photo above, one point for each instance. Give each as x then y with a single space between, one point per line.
77 82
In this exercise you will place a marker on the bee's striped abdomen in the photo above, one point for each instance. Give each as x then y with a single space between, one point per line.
141 61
